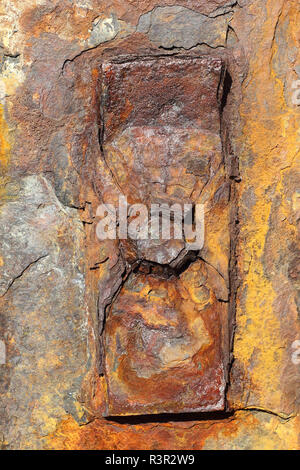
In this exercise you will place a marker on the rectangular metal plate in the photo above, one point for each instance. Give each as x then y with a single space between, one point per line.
164 337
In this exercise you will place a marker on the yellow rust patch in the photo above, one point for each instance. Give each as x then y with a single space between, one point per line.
244 430
274 143
4 141
5 148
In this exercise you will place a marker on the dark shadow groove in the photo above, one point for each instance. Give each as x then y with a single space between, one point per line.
171 417
165 271
227 84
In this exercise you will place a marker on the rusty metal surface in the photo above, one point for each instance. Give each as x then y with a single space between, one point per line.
161 125
163 345
164 334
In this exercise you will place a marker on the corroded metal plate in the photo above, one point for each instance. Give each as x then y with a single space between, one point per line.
164 337
163 345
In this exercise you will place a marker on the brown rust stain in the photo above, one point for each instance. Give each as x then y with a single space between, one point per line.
60 19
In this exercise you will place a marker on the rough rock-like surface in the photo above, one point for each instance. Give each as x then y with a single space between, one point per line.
43 312
177 26
59 284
